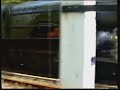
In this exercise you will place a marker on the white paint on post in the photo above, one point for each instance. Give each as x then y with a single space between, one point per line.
72 45
77 47
68 2
89 49
89 2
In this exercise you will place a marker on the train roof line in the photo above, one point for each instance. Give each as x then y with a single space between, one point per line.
35 4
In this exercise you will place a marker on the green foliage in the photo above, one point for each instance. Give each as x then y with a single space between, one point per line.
14 1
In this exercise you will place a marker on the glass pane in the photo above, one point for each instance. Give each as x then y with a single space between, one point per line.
36 50
106 50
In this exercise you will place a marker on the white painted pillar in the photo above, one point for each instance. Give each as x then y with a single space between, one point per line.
77 47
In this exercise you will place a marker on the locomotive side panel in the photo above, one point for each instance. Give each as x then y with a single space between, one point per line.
39 59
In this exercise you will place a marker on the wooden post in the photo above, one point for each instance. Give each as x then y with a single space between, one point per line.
78 47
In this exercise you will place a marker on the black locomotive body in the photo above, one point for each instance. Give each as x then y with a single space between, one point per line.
27 45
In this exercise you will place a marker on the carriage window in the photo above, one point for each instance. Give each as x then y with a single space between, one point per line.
106 50
107 45
36 50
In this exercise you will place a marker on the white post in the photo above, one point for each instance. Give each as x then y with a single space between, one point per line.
77 47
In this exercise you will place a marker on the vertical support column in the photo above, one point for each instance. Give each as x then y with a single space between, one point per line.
2 22
77 47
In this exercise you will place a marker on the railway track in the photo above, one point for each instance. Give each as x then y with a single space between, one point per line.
105 86
28 81
22 81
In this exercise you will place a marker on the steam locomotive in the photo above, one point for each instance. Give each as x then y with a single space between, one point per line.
32 22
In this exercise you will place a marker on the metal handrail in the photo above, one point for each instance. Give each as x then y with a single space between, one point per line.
39 25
